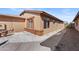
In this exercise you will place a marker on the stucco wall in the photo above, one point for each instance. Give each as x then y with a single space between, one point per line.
13 23
54 27
77 26
39 24
37 21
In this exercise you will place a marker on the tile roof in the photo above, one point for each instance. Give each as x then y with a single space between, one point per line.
40 12
13 16
76 16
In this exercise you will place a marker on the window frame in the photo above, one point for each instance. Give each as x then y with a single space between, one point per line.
46 22
30 23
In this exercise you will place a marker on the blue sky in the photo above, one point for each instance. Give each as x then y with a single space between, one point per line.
65 14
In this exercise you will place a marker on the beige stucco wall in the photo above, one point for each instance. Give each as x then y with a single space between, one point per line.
39 23
54 27
77 26
37 20
18 26
13 23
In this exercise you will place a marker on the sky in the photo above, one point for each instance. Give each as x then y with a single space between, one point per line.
65 14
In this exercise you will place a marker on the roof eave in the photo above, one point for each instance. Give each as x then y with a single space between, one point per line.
52 16
76 16
42 12
12 16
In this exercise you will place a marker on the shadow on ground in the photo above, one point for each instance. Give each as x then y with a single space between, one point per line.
66 40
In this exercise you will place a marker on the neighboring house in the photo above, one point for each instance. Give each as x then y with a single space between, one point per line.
76 21
40 22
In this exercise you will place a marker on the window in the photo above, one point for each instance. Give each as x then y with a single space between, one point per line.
76 23
3 26
29 23
46 23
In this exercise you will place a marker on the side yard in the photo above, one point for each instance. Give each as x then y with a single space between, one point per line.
69 41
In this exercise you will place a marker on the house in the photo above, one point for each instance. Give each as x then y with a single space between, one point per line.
11 22
40 22
36 22
76 22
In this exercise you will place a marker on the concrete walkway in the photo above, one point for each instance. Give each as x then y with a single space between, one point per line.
25 41
66 40
22 41
20 46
